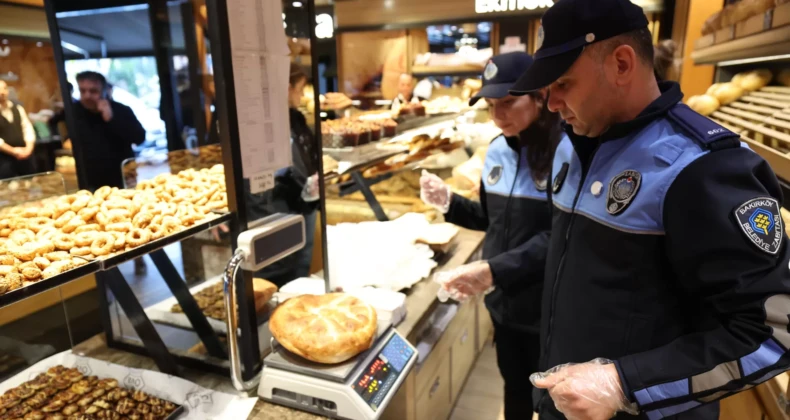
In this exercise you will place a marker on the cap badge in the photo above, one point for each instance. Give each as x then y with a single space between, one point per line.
541 35
490 71
590 37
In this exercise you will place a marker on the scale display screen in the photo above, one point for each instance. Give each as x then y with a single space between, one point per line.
378 378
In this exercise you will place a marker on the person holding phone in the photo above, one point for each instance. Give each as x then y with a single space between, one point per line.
105 132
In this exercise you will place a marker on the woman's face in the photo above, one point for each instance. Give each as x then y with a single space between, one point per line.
295 93
513 114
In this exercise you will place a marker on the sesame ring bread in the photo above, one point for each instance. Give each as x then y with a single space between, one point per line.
329 328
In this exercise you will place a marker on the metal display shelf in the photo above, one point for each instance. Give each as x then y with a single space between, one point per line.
107 263
47 284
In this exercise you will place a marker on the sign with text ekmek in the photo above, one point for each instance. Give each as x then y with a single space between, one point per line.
494 6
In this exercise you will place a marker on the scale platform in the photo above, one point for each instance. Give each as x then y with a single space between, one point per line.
358 389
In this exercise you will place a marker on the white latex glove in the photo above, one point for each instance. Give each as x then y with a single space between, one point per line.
586 391
434 192
310 192
465 281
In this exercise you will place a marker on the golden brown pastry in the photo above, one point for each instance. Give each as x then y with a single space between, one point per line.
704 104
751 81
330 328
725 93
784 76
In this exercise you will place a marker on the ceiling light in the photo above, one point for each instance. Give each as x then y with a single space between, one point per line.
297 4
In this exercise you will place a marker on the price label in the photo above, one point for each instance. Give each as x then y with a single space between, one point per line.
262 181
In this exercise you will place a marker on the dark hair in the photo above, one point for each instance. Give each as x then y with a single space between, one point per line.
93 76
544 141
641 40
664 57
297 74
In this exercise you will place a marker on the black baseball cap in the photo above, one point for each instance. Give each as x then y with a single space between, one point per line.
569 26
501 73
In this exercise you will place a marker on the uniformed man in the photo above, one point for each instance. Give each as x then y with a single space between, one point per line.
667 284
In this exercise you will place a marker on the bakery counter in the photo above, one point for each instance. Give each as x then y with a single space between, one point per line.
421 302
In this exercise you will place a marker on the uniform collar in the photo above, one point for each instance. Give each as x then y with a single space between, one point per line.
670 96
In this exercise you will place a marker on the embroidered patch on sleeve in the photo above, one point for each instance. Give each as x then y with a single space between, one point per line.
761 221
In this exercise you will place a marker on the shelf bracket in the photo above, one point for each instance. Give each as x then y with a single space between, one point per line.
190 307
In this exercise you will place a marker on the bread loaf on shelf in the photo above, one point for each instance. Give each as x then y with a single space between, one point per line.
704 104
725 93
751 81
712 24
784 76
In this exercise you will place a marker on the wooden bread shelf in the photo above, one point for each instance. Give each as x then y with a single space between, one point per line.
773 42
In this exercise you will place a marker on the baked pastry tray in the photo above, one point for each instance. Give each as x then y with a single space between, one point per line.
281 358
100 264
160 312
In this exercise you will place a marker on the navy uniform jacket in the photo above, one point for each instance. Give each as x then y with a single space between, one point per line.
668 256
514 212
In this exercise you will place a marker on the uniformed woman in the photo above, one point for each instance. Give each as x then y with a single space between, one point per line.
514 213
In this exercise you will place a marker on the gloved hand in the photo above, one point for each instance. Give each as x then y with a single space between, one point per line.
465 281
310 192
434 192
586 391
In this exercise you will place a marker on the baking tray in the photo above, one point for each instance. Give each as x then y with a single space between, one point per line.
50 283
160 312
100 264
110 262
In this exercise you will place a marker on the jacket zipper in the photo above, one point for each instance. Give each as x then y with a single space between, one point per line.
564 251
506 240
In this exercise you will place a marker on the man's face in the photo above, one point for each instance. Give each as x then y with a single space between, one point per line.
405 85
583 96
3 92
90 94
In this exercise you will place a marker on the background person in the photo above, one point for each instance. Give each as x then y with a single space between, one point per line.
106 131
514 213
17 137
667 285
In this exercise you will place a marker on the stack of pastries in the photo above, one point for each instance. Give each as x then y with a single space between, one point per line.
42 239
66 394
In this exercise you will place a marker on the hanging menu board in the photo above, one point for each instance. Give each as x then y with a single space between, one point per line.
261 68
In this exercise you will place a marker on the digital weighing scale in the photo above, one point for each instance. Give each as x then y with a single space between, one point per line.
358 389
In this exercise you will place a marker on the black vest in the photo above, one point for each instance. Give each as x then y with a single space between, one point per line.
11 132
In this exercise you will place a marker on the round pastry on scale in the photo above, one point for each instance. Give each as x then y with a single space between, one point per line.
329 328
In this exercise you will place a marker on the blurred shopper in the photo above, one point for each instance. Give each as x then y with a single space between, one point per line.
106 131
17 137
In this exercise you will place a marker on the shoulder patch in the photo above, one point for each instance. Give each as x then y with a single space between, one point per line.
494 175
701 128
761 222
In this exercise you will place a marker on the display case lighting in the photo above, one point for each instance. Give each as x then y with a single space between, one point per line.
297 4
754 60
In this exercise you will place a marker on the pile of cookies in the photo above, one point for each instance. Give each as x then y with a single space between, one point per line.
66 394
43 239
203 188
211 300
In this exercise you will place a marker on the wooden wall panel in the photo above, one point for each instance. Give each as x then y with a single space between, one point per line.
34 66
364 56
694 79
23 21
